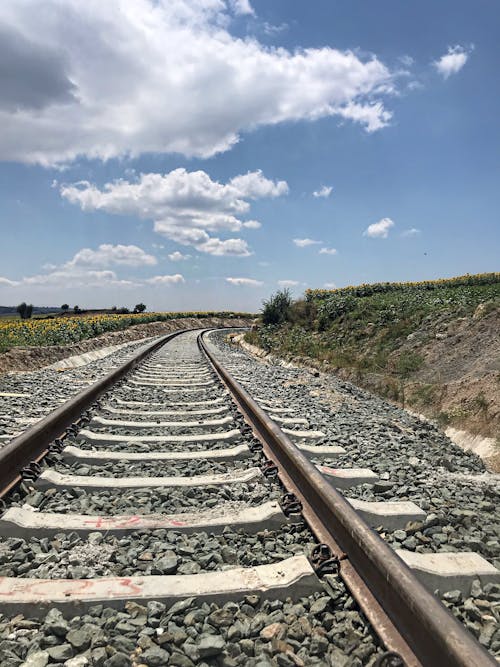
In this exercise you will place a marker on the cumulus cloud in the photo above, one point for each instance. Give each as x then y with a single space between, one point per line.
303 243
410 232
325 191
330 286
328 251
288 283
163 76
87 268
242 7
107 254
185 206
244 282
166 280
452 61
178 256
254 185
379 229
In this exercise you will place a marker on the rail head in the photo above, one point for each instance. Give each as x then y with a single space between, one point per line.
429 635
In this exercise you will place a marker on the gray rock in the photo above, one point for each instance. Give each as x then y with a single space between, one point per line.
118 660
181 606
60 653
77 661
155 657
210 645
36 659
165 565
79 639
56 624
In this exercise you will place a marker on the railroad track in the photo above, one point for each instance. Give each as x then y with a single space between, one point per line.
166 516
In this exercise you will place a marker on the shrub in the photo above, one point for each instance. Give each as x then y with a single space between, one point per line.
276 308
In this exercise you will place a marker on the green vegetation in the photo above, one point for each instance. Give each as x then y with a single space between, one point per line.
25 311
276 309
368 328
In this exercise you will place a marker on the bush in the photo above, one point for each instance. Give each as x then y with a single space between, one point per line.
277 308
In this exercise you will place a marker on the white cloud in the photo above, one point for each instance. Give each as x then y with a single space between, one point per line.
253 185
325 191
303 243
7 283
288 283
410 232
178 256
87 268
166 280
407 60
245 282
242 7
185 206
452 62
73 277
330 286
328 251
107 254
379 229
106 79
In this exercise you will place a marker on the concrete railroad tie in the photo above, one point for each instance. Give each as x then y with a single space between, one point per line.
304 435
24 522
106 438
450 571
71 453
75 454
292 577
173 383
389 515
186 404
52 479
165 413
115 423
344 478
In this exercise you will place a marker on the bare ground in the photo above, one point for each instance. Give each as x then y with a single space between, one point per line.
31 358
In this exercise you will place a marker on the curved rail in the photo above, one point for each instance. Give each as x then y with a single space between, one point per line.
32 445
408 619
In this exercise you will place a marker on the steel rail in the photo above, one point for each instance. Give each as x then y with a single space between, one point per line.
406 616
31 446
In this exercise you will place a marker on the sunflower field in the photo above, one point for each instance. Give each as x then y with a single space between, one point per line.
66 330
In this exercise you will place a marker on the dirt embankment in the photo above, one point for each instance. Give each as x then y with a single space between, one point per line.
458 382
31 358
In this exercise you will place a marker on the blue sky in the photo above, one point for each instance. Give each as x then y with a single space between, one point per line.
142 148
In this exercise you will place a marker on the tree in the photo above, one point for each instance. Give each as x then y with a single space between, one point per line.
76 309
65 307
139 308
24 310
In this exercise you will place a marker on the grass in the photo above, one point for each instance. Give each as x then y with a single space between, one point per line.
370 332
378 334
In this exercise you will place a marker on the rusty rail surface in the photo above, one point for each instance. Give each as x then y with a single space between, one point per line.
408 619
32 445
